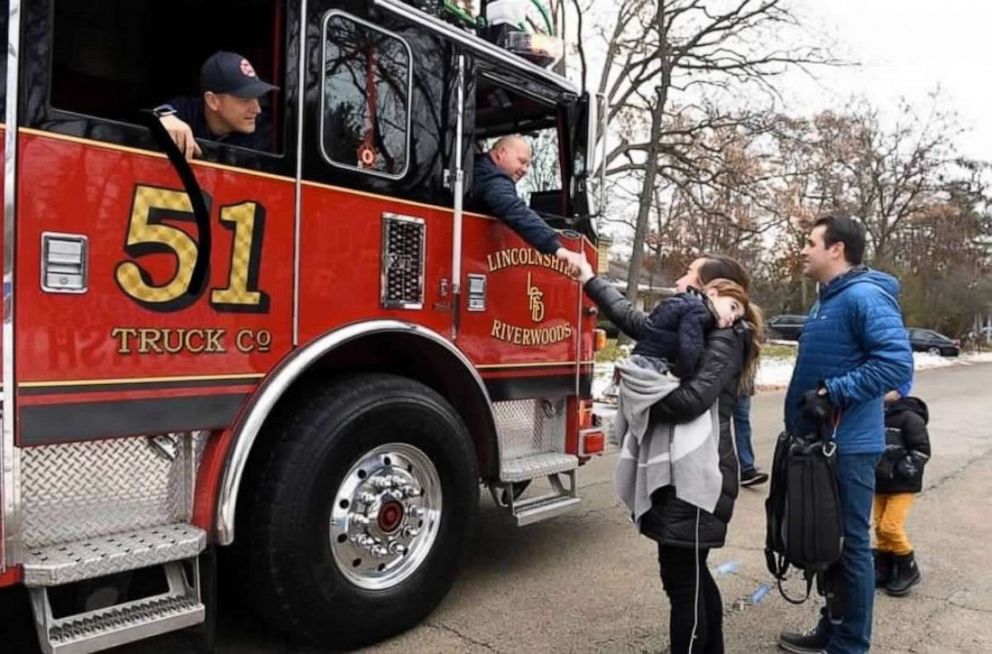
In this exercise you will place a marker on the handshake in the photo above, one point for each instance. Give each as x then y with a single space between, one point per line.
579 268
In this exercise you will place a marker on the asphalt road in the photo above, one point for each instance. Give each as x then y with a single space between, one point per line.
587 582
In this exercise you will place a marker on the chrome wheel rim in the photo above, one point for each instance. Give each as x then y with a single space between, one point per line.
386 515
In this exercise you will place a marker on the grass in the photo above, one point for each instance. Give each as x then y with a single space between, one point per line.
610 353
778 352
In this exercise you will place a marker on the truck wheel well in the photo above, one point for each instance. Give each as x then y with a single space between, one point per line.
416 358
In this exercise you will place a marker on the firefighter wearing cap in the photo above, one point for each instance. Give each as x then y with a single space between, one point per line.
228 111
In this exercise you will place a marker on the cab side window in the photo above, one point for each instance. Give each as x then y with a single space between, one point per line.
365 102
109 60
502 110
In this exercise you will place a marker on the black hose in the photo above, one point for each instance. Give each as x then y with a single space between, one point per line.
201 215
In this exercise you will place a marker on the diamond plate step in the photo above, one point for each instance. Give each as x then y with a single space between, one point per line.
64 563
110 626
537 465
99 630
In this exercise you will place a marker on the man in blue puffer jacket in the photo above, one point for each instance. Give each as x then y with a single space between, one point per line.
852 350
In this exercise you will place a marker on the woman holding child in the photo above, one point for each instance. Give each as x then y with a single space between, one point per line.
693 352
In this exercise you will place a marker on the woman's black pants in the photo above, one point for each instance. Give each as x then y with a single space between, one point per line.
696 622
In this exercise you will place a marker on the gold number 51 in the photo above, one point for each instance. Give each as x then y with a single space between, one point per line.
148 234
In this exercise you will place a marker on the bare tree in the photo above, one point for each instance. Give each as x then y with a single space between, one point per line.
686 48
925 212
884 175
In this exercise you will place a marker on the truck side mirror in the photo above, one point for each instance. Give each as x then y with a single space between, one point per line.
589 155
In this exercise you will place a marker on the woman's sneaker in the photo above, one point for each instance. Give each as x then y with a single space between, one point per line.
753 477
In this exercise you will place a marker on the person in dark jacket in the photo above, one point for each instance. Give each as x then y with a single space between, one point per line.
898 478
684 533
228 110
494 178
751 475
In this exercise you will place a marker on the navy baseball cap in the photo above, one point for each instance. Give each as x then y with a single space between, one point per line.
229 72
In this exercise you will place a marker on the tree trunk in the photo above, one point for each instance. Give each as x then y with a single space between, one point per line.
645 201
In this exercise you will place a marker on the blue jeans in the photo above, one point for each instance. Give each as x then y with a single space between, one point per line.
742 429
856 483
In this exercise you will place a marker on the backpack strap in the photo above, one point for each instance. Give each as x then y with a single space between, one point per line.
809 589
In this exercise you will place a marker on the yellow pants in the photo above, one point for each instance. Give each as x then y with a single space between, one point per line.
891 512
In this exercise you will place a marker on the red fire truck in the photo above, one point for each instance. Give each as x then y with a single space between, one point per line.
311 357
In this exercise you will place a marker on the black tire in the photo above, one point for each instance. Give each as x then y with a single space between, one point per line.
296 582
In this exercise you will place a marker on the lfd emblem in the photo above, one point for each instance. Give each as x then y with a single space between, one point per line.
539 336
536 298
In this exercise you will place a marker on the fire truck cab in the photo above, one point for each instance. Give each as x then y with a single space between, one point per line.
307 357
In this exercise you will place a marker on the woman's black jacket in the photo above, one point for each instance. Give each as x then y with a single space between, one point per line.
670 520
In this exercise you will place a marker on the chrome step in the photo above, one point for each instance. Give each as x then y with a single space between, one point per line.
534 466
527 511
65 563
119 624
543 507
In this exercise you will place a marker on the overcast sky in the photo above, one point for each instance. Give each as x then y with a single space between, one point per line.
908 48
905 48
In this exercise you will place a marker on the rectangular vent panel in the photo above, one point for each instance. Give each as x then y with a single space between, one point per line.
403 243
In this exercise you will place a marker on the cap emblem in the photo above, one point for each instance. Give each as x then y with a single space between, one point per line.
247 69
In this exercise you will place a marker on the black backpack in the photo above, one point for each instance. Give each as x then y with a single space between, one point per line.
804 524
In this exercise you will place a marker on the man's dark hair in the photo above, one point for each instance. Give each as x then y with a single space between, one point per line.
718 266
843 228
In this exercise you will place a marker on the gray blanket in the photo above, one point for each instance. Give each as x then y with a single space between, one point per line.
653 456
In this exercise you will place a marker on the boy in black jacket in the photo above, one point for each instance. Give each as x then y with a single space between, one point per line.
897 480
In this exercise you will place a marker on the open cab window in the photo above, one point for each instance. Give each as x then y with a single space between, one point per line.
503 111
111 59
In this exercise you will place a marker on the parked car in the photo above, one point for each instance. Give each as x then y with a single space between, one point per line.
927 340
786 327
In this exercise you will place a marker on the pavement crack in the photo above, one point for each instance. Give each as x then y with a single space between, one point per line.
959 598
951 476
968 608
468 639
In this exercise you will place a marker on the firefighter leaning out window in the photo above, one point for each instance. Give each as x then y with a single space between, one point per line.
495 175
228 110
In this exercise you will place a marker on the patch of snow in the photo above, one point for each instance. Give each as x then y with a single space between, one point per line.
775 372
927 361
602 377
